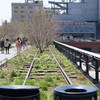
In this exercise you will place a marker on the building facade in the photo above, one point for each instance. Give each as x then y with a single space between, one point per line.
23 11
85 10
78 19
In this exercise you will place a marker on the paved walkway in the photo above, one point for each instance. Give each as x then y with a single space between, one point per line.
4 57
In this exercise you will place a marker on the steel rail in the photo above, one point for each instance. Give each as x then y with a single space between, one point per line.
66 78
30 68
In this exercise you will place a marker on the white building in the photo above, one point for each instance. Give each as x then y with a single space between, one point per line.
23 11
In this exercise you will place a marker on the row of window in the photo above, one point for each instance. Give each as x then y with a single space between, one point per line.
29 7
22 11
22 16
23 7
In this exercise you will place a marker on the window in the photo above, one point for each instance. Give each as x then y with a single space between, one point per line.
30 12
22 20
15 11
16 7
16 17
22 6
22 11
22 16
30 7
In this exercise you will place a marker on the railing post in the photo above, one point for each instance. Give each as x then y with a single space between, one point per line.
96 70
71 55
74 57
68 53
80 61
87 66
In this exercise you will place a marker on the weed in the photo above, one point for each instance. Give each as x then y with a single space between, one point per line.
43 95
13 73
48 78
2 75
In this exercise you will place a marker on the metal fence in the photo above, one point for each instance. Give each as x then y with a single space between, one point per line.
88 62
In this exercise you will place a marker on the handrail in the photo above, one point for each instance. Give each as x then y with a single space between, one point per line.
80 57
80 50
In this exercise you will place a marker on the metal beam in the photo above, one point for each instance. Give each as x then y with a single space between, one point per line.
62 5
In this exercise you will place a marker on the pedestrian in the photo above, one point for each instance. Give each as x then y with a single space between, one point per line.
7 45
18 45
2 46
24 43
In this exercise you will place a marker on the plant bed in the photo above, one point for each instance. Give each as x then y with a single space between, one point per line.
45 72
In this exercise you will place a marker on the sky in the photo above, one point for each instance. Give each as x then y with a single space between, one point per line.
5 9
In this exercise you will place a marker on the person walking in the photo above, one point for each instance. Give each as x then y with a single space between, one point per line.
24 40
18 45
7 45
2 46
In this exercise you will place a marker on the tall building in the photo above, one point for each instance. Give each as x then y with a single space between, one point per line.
84 10
23 11
78 19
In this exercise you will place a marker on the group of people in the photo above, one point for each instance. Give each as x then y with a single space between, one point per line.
21 44
5 46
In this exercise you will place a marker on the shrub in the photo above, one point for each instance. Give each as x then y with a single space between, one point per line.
30 82
44 85
18 81
48 78
4 82
13 73
2 75
51 96
43 95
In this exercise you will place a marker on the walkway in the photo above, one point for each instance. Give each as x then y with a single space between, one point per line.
4 57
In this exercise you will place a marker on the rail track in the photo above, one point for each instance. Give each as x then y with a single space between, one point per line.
65 76
57 71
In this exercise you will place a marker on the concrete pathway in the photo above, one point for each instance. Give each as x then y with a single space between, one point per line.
12 53
4 57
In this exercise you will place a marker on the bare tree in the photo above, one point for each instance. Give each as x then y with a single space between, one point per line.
3 30
7 30
41 29
16 29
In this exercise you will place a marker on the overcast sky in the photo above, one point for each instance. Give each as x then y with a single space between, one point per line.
5 8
